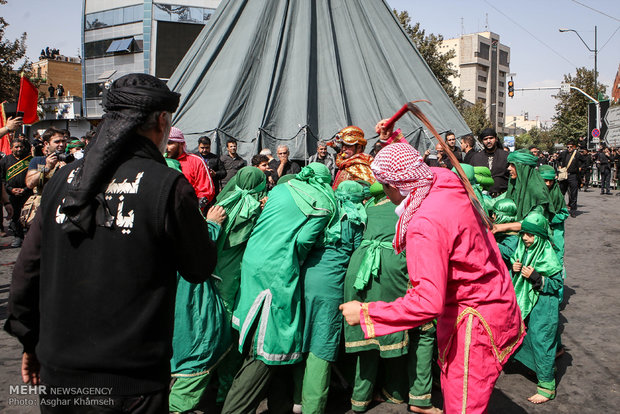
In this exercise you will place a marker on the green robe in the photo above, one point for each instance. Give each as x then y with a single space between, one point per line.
240 200
540 310
202 332
323 277
270 299
389 283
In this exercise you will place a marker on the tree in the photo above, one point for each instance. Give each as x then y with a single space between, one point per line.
571 117
476 118
544 140
429 48
11 52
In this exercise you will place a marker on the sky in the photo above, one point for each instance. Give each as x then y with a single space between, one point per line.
540 54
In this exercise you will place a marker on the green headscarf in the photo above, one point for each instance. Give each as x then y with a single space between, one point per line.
471 176
350 196
528 190
286 178
540 255
505 211
376 192
547 172
483 177
312 193
76 143
240 201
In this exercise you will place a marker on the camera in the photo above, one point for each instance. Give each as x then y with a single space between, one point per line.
64 157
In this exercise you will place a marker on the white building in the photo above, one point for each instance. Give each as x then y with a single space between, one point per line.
129 36
521 122
483 64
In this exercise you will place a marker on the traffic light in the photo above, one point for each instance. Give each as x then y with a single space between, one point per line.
511 88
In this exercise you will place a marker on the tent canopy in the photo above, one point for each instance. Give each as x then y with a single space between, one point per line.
271 72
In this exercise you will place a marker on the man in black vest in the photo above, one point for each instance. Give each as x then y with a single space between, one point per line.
94 310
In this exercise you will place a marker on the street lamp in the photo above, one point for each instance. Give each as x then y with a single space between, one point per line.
595 54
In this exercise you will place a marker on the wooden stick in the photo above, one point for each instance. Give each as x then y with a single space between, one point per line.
411 106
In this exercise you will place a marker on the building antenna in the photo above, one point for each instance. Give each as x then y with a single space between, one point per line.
462 26
486 22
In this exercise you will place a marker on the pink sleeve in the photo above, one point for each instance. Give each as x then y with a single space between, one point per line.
202 179
427 264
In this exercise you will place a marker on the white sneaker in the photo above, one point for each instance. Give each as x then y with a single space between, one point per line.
297 408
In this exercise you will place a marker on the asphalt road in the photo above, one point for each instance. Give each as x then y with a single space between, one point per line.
588 374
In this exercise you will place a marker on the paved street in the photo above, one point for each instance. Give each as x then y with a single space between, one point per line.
588 374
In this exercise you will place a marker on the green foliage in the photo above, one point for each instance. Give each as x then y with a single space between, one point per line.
543 139
476 118
429 48
571 117
11 52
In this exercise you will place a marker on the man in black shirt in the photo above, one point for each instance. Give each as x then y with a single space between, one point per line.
283 166
468 145
13 169
572 161
495 158
232 161
94 309
215 165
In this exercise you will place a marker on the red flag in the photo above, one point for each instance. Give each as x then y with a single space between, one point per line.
27 101
5 145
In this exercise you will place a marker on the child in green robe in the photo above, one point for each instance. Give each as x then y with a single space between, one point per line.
537 279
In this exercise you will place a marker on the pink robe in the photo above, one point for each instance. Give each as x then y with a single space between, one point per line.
458 277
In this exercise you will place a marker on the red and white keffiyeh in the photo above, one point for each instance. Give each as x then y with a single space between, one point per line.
177 136
401 166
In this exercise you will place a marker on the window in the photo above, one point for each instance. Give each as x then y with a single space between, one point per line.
501 104
481 89
181 14
502 74
114 17
500 114
503 58
501 94
101 48
482 78
94 90
483 53
121 46
501 83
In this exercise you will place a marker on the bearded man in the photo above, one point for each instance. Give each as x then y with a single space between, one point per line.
129 224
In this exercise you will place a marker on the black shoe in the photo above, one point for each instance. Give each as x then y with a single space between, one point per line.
573 214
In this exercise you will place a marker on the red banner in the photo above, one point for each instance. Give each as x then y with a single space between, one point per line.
27 101
5 145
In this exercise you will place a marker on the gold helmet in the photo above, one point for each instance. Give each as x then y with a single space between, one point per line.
351 135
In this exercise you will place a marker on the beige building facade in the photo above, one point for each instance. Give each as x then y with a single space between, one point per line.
59 70
483 64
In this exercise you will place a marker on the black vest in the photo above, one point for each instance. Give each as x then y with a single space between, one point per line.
107 299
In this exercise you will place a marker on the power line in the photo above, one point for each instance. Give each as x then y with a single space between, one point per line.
528 32
593 9
612 35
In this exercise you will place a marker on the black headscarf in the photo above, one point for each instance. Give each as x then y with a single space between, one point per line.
127 104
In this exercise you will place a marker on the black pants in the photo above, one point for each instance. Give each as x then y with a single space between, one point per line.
605 179
572 185
587 175
17 202
155 403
